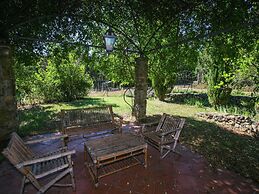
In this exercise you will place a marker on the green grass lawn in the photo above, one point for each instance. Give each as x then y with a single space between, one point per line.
221 148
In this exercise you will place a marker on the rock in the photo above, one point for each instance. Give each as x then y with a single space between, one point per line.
245 124
236 125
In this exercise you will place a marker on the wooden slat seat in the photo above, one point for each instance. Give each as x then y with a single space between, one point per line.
44 168
34 167
166 133
90 129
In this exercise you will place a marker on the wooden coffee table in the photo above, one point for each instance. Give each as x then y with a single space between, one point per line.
107 155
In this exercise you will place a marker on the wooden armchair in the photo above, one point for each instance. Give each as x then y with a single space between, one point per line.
34 167
166 133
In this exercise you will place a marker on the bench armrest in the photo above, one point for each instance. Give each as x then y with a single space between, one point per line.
46 158
118 116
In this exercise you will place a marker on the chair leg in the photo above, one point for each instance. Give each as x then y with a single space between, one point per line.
65 142
169 149
175 143
23 185
44 188
72 179
161 152
71 173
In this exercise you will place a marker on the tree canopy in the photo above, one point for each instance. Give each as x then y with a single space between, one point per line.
170 33
140 25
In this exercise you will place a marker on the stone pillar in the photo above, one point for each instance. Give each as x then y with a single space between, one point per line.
140 93
8 108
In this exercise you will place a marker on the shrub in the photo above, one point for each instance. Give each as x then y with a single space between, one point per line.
65 82
55 79
243 105
74 82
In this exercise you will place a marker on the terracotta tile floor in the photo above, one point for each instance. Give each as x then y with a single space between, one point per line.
186 173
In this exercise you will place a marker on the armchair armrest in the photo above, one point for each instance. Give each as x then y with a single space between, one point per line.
169 131
46 158
146 125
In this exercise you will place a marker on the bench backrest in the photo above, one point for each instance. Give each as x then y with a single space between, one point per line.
86 116
16 151
169 123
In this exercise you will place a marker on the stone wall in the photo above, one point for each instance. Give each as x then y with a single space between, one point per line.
236 122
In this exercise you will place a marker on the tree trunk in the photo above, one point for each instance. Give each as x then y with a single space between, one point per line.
8 108
140 93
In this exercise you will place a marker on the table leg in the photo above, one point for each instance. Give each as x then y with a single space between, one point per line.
92 167
96 178
145 157
85 157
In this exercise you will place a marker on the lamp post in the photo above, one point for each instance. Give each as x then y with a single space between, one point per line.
109 40
141 70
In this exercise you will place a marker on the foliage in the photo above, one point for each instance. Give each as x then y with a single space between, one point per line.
247 74
162 83
221 71
116 67
162 75
241 105
229 63
166 66
56 78
142 27
26 87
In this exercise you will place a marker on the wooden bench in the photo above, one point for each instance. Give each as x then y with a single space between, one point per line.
90 121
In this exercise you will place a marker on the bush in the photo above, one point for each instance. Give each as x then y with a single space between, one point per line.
200 100
161 85
243 105
26 87
65 82
74 82
62 79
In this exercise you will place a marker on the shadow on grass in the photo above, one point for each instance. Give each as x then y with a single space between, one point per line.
244 105
45 119
189 98
222 148
37 120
